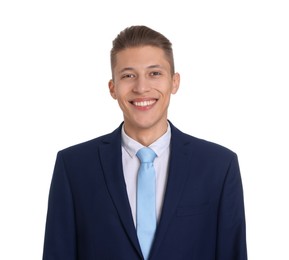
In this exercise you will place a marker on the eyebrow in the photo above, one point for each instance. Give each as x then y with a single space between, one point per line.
131 68
125 69
154 66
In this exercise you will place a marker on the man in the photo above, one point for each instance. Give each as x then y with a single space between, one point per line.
95 203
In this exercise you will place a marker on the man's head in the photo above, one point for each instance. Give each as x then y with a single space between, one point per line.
143 80
137 36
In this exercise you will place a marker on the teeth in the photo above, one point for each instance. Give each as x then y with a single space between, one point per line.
144 103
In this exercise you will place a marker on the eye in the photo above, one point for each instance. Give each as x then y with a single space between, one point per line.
126 76
155 73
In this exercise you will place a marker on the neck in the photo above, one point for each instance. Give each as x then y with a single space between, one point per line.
146 136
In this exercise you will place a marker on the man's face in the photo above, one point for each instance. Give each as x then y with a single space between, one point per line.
142 85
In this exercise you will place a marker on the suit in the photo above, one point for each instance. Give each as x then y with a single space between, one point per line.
89 215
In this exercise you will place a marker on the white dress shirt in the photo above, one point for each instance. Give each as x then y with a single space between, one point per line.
131 165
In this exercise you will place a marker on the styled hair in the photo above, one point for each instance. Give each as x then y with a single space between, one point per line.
138 36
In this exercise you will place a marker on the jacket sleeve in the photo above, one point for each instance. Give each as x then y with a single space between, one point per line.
60 233
231 243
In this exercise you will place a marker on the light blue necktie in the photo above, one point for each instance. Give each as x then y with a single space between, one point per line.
146 220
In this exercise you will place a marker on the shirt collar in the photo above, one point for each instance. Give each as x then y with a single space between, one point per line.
159 146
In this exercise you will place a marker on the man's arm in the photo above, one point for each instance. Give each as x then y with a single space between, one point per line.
60 234
231 244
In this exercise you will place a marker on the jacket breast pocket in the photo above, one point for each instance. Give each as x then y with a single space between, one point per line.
192 210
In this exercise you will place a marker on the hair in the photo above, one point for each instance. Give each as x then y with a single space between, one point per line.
138 36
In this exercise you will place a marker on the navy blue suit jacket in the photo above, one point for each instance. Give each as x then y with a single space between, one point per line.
89 215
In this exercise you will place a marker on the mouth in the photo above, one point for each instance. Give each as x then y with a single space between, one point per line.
143 104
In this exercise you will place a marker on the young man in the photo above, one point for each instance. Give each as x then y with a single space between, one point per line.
99 207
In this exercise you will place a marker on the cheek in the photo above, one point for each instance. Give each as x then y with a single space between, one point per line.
167 92
121 98
117 92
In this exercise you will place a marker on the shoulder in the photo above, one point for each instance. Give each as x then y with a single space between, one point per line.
201 147
90 147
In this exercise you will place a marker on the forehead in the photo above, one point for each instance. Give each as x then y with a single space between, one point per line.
143 55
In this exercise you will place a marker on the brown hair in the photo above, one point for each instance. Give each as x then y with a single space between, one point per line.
136 36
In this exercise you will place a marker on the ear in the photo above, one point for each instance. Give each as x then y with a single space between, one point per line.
111 87
176 83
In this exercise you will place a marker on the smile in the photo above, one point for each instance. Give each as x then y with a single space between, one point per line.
144 103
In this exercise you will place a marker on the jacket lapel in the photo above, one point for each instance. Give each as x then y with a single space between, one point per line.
111 160
178 172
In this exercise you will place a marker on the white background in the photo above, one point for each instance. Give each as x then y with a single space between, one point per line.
54 67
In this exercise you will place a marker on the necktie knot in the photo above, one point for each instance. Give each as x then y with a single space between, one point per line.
146 155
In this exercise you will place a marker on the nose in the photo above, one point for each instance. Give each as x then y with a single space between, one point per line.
141 85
